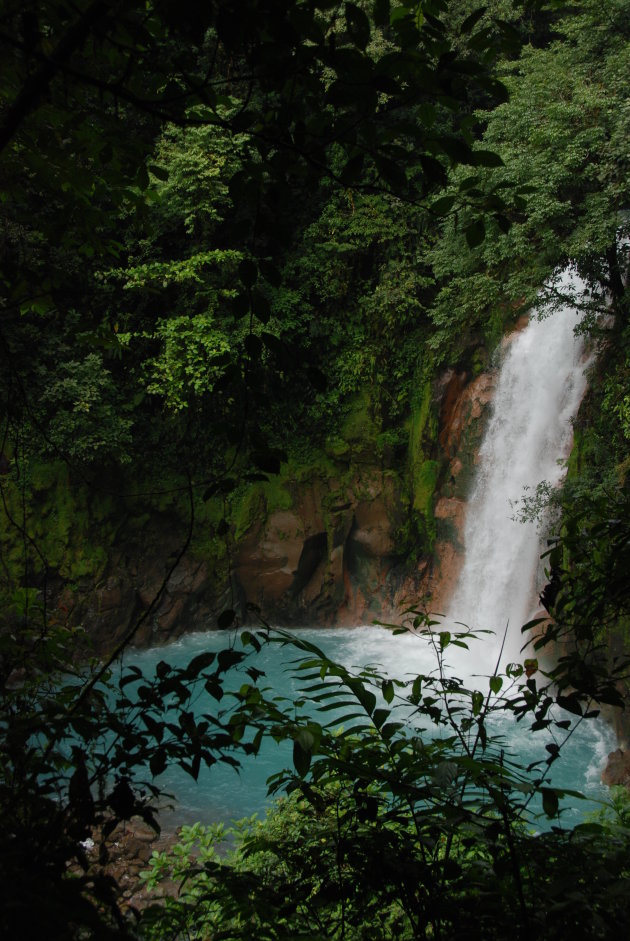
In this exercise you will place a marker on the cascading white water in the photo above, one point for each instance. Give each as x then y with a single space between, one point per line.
540 385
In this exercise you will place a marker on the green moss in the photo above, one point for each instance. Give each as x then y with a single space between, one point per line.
622 471
424 484
206 543
276 491
421 420
319 465
87 566
337 447
67 529
358 422
423 469
494 327
247 510
360 428
479 360
584 453
45 476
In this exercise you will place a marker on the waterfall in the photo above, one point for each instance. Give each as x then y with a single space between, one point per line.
540 384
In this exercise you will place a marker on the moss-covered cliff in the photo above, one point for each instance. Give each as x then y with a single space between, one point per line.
343 534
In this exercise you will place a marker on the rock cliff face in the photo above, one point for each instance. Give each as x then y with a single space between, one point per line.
135 578
617 770
346 541
334 556
327 560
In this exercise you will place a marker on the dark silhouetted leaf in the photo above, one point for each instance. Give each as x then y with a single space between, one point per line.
248 272
358 24
470 22
301 759
549 801
270 273
261 306
157 762
485 158
475 233
225 620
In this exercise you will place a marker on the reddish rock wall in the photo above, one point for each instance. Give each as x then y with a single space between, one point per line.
131 583
332 558
331 554
327 560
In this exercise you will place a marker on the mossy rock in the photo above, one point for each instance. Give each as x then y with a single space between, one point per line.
64 533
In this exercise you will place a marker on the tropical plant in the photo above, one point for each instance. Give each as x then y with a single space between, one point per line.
408 816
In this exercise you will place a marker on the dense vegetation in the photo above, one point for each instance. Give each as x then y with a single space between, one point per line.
229 230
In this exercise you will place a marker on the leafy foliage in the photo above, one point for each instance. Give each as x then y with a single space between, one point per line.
205 207
415 778
79 754
561 182
87 418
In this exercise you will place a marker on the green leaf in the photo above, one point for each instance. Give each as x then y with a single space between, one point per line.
160 172
133 675
249 639
240 305
455 148
142 177
243 120
253 345
485 158
301 759
214 688
270 273
388 690
380 12
470 22
468 183
228 658
365 696
380 716
351 173
261 306
358 25
199 663
391 172
267 461
157 762
223 527
398 13
390 729
475 233
305 739
442 205
496 682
